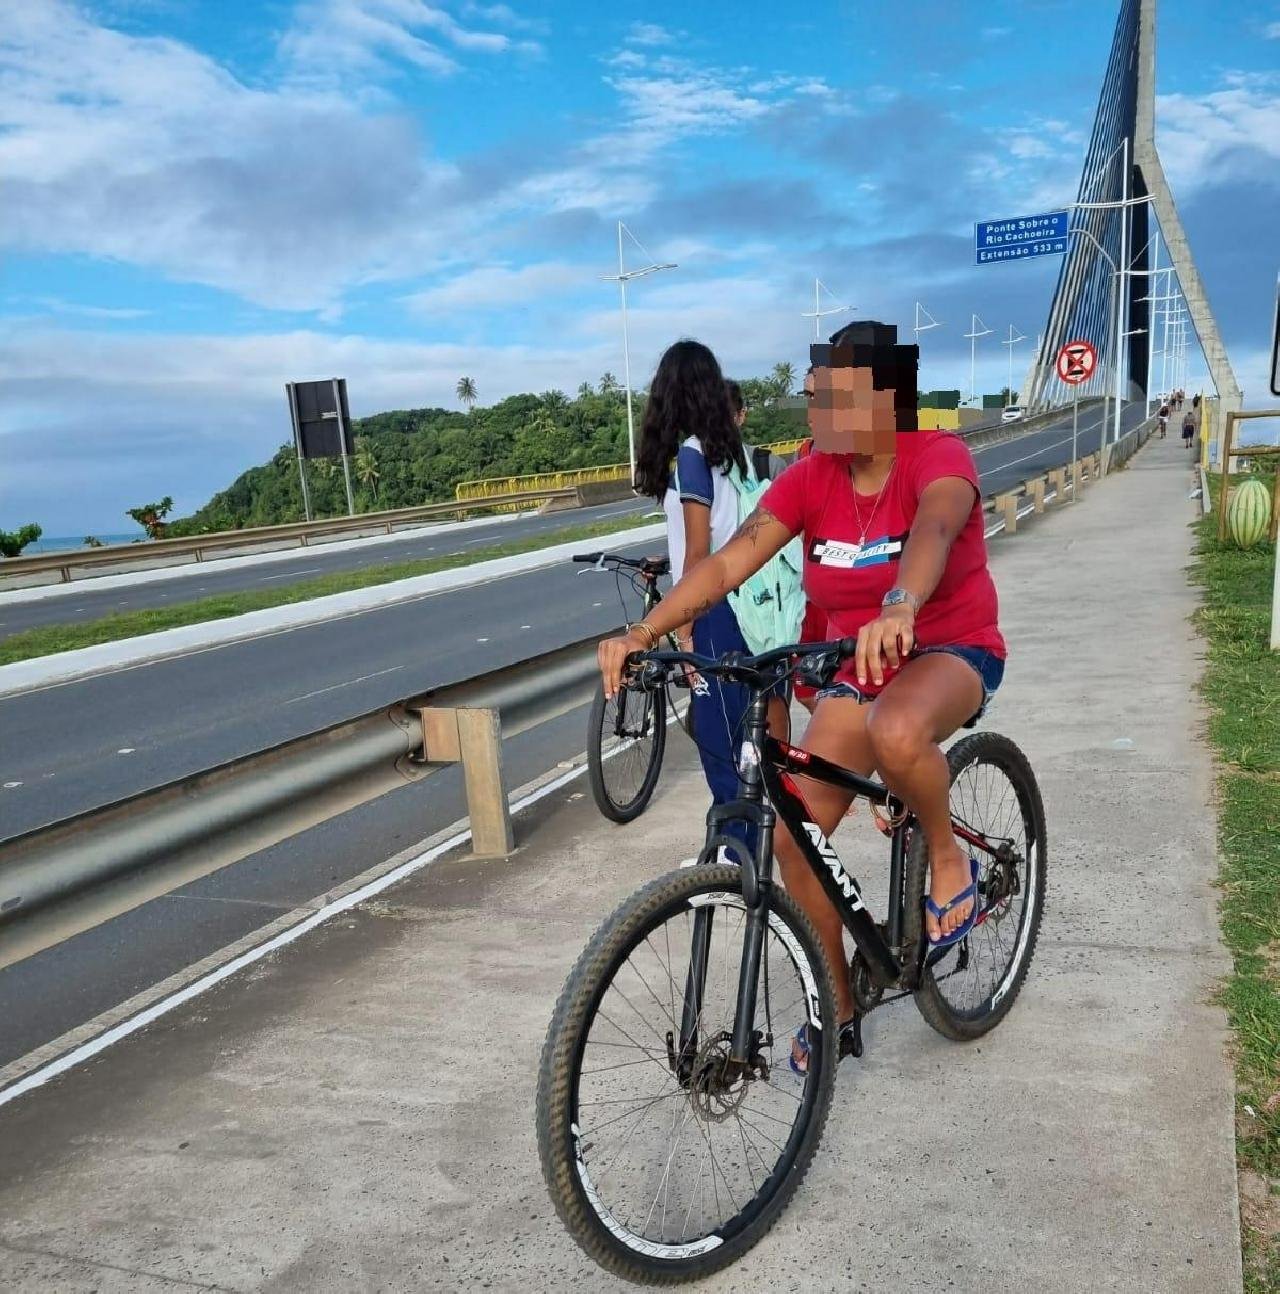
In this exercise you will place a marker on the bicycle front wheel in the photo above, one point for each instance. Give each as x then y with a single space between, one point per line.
626 739
664 1161
966 990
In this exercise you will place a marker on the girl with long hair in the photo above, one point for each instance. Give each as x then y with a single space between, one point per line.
689 440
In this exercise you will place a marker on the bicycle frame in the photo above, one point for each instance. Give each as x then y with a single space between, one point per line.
768 769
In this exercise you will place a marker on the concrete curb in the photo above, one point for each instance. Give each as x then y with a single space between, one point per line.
103 658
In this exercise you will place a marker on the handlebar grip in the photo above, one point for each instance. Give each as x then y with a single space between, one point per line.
589 558
848 647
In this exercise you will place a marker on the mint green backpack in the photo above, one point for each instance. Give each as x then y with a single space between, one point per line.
770 604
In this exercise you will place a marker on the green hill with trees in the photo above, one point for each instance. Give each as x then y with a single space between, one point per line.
406 457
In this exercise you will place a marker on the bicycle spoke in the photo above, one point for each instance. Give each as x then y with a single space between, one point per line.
662 1161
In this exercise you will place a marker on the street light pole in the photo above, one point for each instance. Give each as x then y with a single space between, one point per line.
919 327
1011 343
973 334
818 313
1122 292
622 278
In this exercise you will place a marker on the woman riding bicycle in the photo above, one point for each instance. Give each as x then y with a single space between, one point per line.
690 421
894 556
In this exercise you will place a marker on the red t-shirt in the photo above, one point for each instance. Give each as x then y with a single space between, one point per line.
814 497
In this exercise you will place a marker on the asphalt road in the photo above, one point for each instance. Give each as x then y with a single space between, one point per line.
71 747
89 603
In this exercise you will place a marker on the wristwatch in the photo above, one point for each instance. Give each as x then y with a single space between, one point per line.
896 597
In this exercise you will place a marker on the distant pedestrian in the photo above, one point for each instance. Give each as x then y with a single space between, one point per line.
1163 417
1188 428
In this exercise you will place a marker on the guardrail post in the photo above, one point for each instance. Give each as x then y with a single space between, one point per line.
473 738
1007 506
1036 490
1058 484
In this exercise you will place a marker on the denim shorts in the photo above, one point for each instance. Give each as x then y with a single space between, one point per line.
986 664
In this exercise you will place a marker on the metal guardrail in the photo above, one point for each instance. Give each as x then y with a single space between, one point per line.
198 548
226 813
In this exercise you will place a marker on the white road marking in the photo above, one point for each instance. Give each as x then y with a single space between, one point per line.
482 640
288 575
126 750
526 626
9 786
320 691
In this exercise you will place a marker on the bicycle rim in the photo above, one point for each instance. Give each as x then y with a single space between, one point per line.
672 1171
994 795
627 740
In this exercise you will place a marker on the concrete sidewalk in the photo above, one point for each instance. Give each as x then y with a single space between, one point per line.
357 1114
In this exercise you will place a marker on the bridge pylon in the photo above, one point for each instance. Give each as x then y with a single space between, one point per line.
1121 187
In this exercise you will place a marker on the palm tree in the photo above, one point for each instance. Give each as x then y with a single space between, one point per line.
466 392
366 465
554 401
784 376
609 384
585 390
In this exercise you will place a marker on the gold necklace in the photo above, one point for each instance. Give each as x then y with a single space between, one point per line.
857 511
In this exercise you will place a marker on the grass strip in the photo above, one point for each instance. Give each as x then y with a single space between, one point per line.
31 643
1242 687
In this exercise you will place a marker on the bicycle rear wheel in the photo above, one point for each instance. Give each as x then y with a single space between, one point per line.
665 1167
971 986
626 739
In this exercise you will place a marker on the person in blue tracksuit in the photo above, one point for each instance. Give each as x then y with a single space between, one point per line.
690 421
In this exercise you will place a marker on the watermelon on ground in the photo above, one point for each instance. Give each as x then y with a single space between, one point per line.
1249 513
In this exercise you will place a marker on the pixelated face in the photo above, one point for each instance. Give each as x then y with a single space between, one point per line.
847 415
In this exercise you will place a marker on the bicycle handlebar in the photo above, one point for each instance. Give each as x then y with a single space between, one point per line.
653 666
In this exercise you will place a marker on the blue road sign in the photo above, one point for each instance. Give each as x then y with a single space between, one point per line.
1020 237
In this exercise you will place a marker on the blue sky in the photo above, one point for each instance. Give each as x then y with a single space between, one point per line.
203 200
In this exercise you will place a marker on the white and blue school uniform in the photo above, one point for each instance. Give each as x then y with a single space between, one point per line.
718 707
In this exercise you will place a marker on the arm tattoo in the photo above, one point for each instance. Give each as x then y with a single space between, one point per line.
754 524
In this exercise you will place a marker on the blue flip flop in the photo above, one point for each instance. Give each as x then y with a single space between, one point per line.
963 930
802 1041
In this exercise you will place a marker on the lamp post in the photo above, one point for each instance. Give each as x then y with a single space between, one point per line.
817 314
622 278
973 334
1011 343
919 327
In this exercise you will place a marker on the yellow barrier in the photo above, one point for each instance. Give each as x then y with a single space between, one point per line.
494 485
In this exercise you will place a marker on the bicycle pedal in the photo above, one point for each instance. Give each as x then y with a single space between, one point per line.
851 1039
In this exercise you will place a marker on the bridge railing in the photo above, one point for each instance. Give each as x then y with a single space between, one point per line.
32 571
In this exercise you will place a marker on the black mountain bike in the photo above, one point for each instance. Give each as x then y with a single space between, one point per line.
671 1129
627 733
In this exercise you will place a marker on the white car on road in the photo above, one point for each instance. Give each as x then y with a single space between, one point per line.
1012 413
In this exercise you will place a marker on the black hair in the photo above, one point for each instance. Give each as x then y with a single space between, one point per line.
866 343
687 397
736 401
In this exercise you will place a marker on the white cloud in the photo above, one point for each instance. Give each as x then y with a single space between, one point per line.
343 35
498 285
1228 134
144 151
61 306
1272 31
648 33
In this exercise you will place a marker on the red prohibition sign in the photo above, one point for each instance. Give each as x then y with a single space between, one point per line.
1076 362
